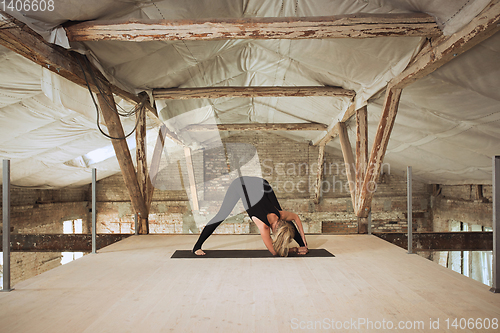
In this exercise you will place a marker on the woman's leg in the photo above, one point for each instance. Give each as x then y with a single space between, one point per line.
297 237
230 200
271 195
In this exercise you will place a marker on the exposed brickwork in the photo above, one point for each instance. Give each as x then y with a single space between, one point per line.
459 203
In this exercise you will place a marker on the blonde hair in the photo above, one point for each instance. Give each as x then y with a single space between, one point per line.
282 237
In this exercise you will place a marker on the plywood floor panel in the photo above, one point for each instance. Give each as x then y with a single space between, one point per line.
134 286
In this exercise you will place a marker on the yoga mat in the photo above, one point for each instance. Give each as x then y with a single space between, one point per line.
182 254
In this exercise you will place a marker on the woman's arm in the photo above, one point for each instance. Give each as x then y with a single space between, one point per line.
289 216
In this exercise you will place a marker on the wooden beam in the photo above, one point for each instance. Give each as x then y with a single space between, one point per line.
192 180
332 131
61 242
248 92
446 48
379 148
442 241
340 26
155 163
348 160
115 129
256 127
319 176
18 37
361 150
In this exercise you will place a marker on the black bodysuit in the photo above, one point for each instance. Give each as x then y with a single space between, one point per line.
258 199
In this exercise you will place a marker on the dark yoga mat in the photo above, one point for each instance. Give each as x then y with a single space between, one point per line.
246 254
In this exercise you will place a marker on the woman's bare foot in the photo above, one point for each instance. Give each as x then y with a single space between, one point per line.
199 252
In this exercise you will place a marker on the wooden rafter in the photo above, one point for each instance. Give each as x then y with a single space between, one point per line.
256 127
348 160
247 92
341 26
443 50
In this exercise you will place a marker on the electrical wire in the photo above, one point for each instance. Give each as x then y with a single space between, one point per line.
138 109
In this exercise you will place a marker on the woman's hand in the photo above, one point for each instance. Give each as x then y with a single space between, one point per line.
303 250
293 250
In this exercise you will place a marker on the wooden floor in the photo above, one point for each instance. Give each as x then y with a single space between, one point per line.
134 286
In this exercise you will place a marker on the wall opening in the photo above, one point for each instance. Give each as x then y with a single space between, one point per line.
72 227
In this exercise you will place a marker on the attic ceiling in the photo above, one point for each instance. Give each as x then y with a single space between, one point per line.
447 125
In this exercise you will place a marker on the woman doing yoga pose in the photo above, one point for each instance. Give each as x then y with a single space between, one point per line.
262 206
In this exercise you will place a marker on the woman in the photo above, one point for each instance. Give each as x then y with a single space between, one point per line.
262 206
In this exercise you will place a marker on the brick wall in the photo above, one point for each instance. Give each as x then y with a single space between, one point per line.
461 203
43 211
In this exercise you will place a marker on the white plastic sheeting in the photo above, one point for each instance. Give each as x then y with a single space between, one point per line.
447 126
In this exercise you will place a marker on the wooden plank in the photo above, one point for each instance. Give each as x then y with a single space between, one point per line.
192 181
248 92
341 26
115 129
319 176
379 148
61 242
442 241
256 127
348 160
446 48
361 150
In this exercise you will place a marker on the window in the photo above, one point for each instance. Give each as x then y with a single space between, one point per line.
72 227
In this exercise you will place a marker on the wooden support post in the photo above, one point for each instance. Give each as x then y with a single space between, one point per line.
379 148
6 225
319 176
361 151
442 241
94 210
142 167
345 144
122 152
496 225
192 180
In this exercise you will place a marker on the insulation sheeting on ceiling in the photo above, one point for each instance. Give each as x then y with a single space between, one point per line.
446 128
